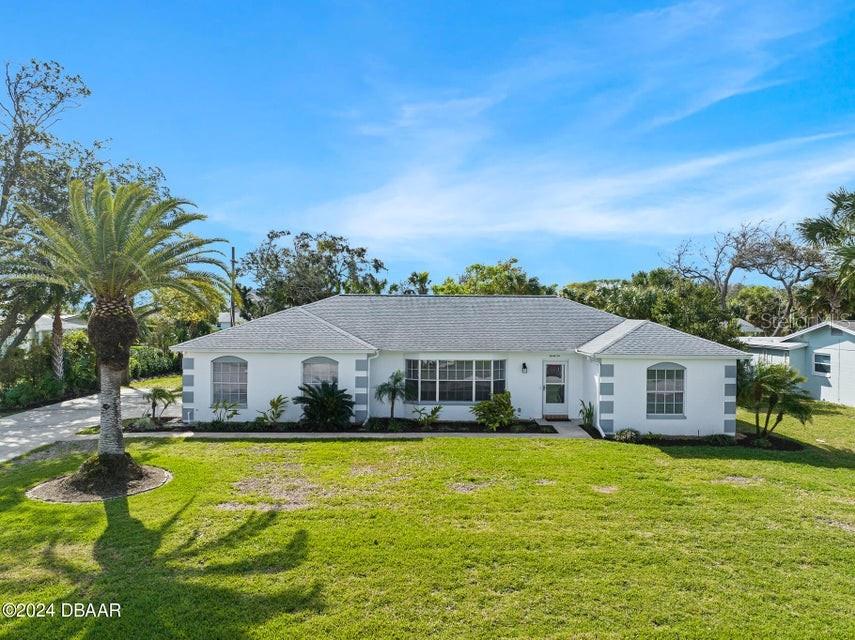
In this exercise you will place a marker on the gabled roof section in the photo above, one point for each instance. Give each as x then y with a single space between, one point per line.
465 323
607 339
844 325
454 324
771 342
652 339
294 329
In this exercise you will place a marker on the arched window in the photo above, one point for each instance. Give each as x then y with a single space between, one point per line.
228 380
666 386
318 370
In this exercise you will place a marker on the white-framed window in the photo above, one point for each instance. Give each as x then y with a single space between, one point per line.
454 380
229 380
319 370
822 363
666 387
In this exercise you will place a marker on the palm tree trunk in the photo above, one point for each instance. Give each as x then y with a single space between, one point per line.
392 408
56 355
110 440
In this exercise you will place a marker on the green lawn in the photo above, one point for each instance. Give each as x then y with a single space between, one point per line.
171 381
449 538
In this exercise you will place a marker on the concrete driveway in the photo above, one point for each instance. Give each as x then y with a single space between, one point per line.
23 432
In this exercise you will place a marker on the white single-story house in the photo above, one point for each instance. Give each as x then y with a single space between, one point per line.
823 353
42 330
549 352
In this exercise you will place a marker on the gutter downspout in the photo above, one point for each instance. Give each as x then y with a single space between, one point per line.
368 372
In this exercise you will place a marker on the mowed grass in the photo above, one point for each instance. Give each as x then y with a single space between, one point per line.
449 538
171 381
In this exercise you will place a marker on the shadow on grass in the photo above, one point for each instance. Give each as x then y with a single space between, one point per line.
827 457
175 592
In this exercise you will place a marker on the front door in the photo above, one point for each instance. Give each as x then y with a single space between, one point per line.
554 389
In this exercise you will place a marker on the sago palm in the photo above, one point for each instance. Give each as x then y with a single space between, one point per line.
116 246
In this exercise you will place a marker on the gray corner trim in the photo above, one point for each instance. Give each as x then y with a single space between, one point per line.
607 370
361 382
362 365
607 426
188 363
607 388
730 371
187 380
360 398
665 416
730 426
730 389
607 406
730 408
188 415
187 397
360 415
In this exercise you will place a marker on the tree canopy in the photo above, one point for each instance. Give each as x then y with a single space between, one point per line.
505 277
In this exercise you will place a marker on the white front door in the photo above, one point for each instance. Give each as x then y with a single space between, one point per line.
555 389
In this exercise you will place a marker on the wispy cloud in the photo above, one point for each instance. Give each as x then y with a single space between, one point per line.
462 170
783 180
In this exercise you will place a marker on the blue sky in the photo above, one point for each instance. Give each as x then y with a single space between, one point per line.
587 139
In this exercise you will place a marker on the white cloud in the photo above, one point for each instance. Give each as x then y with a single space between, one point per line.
781 181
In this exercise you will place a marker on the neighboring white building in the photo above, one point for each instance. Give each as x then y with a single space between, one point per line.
823 353
549 352
43 330
224 320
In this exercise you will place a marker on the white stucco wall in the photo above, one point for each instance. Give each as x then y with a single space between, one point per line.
704 400
268 375
526 388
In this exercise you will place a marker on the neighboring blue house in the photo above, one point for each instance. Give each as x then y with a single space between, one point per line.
823 353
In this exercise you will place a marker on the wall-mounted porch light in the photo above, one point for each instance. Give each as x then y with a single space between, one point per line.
524 368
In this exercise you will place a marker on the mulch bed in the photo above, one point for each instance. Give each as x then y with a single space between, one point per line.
378 425
63 490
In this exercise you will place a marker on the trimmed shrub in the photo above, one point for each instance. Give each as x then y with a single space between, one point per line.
496 413
148 361
628 435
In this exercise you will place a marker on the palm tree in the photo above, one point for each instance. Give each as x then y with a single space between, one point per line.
116 246
774 389
834 233
394 388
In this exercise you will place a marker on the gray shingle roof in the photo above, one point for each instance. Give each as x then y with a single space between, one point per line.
293 329
454 323
466 323
652 339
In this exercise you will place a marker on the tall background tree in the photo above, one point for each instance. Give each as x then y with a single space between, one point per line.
115 247
661 295
505 277
294 269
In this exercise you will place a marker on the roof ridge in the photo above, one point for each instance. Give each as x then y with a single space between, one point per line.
616 338
336 328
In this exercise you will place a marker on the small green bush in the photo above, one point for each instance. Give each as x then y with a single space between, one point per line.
427 418
325 407
496 413
80 369
628 435
27 394
148 361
